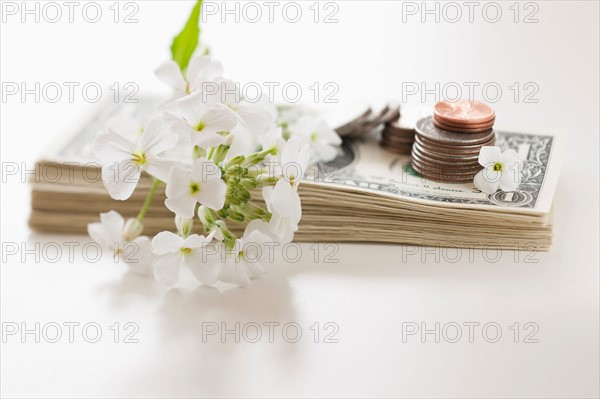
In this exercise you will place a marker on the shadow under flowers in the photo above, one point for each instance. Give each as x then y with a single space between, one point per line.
206 331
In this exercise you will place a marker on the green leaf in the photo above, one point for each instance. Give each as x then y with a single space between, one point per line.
184 44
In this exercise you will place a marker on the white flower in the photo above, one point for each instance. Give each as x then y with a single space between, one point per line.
199 69
138 255
202 121
112 233
273 138
243 262
323 140
202 185
173 251
284 204
294 160
290 114
501 170
243 142
133 228
108 233
128 123
123 160
252 116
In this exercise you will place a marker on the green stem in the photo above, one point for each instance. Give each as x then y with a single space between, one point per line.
155 183
266 181
258 157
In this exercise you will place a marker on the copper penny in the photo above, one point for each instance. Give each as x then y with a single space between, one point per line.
444 122
427 129
464 111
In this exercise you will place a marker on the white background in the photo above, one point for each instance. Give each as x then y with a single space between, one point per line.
373 289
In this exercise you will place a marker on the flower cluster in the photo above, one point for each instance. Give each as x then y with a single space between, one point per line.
212 152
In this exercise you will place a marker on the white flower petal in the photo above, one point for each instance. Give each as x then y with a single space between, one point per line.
329 135
113 222
195 241
177 125
204 169
243 142
203 67
207 139
157 137
205 267
171 103
108 231
166 242
283 229
109 147
179 197
489 155
128 124
267 192
234 272
325 152
487 181
285 201
219 119
294 158
177 182
168 72
121 179
254 118
192 108
212 193
138 255
166 268
228 92
182 206
273 138
261 226
159 167
510 158
511 178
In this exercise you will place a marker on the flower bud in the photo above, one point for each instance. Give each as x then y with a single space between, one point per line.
228 139
132 230
184 225
207 216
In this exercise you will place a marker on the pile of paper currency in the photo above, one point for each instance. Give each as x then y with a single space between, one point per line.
367 194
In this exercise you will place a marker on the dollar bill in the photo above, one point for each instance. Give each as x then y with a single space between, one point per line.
362 165
365 166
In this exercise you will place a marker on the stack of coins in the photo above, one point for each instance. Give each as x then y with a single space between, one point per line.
463 116
447 144
398 136
369 121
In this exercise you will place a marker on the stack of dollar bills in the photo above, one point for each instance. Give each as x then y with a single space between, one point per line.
366 194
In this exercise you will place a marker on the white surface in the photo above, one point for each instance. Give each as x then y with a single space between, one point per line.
372 290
